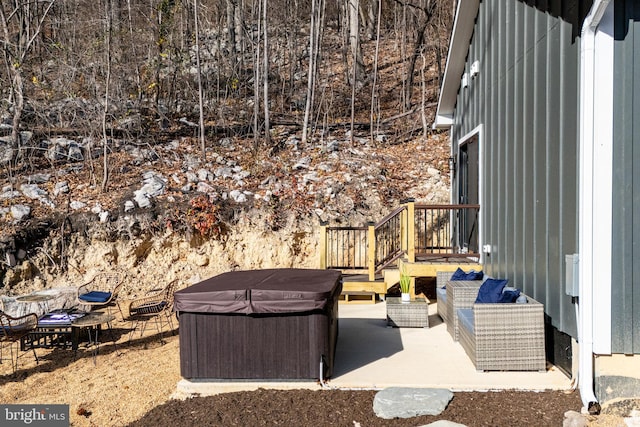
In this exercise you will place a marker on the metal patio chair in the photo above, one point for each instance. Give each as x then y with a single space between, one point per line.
101 291
156 306
12 331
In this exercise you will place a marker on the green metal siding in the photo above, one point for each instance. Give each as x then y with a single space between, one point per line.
526 98
625 280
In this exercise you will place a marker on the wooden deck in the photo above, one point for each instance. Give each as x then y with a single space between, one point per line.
414 238
357 288
429 267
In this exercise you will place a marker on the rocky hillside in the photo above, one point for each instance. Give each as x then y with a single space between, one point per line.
171 212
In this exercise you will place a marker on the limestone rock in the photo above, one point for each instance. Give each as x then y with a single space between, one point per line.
75 205
20 212
238 196
61 187
575 419
407 402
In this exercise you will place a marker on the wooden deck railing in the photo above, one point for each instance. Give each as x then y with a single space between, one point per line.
446 230
411 230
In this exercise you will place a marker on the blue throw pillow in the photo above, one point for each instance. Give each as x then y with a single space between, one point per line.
509 295
491 290
460 274
475 275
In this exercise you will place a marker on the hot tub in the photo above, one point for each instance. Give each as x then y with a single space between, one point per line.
261 324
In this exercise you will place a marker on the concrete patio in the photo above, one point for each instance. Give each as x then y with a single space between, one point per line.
371 355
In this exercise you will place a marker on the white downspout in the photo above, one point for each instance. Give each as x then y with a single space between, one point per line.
586 206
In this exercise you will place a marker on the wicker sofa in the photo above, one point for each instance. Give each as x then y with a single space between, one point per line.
504 336
442 277
460 294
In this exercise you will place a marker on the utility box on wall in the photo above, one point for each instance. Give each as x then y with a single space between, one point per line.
572 275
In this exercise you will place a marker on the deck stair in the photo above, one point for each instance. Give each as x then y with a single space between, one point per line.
358 288
420 239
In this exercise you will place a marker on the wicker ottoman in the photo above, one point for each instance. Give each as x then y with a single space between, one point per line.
414 314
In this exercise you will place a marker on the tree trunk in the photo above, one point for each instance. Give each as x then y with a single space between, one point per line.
417 51
370 14
196 28
18 107
311 73
256 82
239 23
374 87
357 65
133 47
265 77
231 28
105 139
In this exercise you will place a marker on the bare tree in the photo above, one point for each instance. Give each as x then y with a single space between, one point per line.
314 47
265 76
357 65
256 84
105 111
199 72
133 47
21 23
370 14
427 10
374 94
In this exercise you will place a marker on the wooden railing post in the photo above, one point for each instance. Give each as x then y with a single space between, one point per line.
323 245
411 230
404 220
371 250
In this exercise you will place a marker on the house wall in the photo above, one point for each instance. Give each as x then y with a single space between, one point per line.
625 303
524 97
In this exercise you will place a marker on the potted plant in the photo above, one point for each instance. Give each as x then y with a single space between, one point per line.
405 285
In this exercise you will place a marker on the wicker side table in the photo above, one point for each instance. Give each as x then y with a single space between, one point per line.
414 314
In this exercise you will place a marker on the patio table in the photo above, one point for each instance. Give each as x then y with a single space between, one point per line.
54 330
92 322
41 299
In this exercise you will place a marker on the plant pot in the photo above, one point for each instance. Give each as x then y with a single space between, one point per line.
405 297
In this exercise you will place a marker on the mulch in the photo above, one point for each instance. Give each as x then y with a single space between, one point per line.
354 408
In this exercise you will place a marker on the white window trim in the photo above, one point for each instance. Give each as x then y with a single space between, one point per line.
479 131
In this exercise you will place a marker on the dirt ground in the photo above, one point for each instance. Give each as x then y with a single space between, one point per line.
132 383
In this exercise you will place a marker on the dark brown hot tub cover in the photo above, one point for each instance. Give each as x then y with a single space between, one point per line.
285 290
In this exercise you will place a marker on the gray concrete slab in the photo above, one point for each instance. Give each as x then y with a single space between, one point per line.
370 355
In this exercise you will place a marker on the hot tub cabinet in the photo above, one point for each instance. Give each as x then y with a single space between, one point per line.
261 324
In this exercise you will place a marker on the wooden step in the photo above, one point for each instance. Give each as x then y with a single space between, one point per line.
378 287
358 297
358 288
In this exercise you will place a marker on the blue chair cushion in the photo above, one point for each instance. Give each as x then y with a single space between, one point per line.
95 296
441 294
491 290
460 274
509 295
466 320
